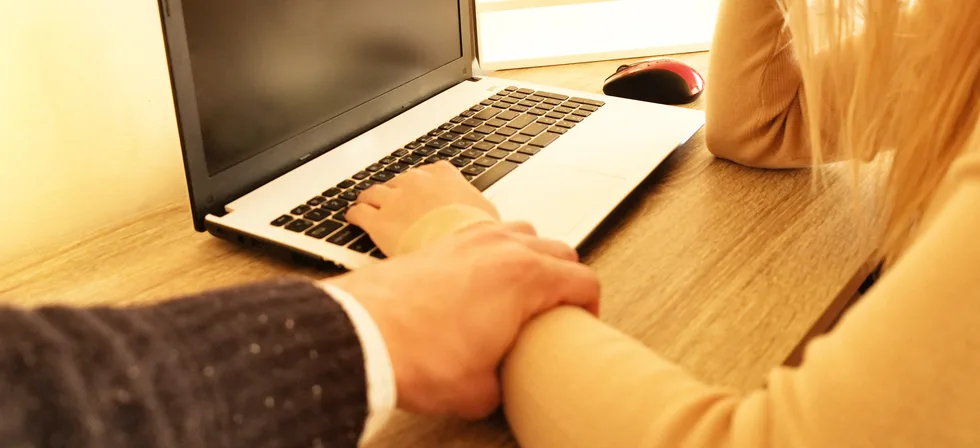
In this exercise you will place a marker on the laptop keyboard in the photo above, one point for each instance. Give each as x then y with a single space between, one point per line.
486 142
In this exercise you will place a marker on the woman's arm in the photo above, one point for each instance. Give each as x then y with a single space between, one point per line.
899 370
232 368
756 105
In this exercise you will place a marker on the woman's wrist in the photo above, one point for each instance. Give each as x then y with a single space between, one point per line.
441 222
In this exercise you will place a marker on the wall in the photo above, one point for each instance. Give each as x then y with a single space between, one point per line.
88 135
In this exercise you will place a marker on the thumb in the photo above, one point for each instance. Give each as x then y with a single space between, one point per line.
567 283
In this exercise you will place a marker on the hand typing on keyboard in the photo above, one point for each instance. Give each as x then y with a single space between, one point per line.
386 211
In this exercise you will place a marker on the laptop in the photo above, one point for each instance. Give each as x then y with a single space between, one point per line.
287 110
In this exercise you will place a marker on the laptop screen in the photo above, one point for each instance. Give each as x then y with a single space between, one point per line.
266 71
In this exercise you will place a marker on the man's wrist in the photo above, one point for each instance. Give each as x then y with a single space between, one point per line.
378 369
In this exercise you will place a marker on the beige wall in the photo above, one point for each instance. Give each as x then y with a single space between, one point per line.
87 131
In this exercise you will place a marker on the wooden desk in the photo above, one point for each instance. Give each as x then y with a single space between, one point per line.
722 268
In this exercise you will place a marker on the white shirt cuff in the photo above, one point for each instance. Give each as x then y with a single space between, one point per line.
377 362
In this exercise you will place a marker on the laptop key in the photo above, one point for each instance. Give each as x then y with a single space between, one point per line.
317 215
350 195
389 159
494 139
326 228
446 126
361 176
282 220
486 102
462 129
558 130
536 98
552 102
435 158
587 101
299 225
511 88
507 115
341 216
365 185
555 115
485 162
316 201
521 138
476 108
496 97
345 235
424 152
485 130
462 144
488 113
518 95
566 124
473 122
460 162
363 245
545 106
508 131
496 122
331 192
529 150
545 139
471 154
436 144
473 170
525 91
449 136
520 109
335 204
537 112
554 96
509 100
574 118
383 176
506 146
483 146
589 108
468 113
527 103
534 129
397 167
546 120
473 137
518 158
449 152
411 159
301 210
498 153
458 119
563 110
487 179
522 121
582 113
401 152
378 254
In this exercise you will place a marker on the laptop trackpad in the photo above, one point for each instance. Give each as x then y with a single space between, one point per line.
554 198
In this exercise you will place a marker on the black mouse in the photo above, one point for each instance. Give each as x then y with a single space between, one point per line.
660 80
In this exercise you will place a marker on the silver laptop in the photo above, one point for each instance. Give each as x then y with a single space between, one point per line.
288 109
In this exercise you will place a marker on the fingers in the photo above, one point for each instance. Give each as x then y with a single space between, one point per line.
520 227
362 215
567 283
375 196
552 248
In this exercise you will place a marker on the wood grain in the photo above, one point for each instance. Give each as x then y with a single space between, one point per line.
721 268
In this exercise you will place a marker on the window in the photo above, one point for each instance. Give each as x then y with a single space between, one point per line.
527 33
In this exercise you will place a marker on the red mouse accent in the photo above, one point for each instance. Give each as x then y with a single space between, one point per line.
660 80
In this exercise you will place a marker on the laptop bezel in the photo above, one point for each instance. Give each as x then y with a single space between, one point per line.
210 193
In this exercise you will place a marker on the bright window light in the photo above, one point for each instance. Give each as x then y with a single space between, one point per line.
527 33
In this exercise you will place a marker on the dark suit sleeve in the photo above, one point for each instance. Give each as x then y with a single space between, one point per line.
277 364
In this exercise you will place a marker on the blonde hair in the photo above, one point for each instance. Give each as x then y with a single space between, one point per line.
895 77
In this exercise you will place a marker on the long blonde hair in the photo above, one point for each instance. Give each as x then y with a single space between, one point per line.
895 77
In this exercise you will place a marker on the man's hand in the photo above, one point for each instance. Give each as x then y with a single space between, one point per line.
451 311
387 210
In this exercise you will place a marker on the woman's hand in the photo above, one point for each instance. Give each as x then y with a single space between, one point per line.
386 211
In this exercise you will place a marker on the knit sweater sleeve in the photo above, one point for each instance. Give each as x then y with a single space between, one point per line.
276 364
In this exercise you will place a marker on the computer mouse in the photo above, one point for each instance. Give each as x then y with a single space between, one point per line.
659 80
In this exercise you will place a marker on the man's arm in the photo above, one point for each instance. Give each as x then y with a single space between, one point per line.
277 364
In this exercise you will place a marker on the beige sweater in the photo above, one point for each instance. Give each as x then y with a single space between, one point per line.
901 369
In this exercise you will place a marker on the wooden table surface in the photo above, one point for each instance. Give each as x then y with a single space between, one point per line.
719 267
